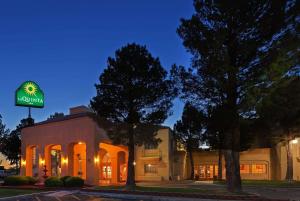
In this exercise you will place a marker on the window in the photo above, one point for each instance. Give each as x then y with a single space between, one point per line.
216 170
244 169
149 168
150 146
259 168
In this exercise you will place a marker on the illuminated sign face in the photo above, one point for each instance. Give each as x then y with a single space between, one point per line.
29 94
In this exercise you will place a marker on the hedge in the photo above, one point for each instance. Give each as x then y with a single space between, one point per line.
53 182
74 182
19 180
64 178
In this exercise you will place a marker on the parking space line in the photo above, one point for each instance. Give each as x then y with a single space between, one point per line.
57 198
38 199
75 197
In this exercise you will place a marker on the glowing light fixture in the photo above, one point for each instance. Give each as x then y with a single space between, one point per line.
42 162
96 159
134 163
80 142
23 162
64 160
295 141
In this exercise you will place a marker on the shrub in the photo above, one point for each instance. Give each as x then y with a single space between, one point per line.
74 182
31 180
64 178
53 182
18 180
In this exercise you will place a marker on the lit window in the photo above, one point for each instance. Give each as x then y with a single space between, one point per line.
259 168
216 170
244 169
150 168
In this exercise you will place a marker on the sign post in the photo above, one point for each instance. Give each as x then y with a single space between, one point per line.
29 95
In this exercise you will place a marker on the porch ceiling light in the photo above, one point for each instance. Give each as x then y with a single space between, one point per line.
80 142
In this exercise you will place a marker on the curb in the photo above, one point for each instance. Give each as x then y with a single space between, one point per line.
30 194
184 195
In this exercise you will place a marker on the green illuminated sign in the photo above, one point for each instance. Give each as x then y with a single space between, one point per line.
29 94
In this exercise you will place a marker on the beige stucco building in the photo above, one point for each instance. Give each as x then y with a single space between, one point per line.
77 145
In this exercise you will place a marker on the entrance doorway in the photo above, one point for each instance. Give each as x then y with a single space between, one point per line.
206 172
106 167
55 158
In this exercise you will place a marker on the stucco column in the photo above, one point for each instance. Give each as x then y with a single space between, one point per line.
23 158
42 162
92 168
114 167
71 159
64 160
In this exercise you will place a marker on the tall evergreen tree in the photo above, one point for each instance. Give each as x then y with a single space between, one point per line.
133 92
188 131
280 111
239 49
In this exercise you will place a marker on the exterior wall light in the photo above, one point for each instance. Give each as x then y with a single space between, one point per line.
294 141
42 162
64 161
96 159
23 162
134 163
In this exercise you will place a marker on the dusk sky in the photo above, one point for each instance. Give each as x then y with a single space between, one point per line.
64 45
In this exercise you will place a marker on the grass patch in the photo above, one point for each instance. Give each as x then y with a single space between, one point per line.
5 192
170 190
270 183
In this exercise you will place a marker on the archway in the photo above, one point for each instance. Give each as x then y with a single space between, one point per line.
55 160
105 167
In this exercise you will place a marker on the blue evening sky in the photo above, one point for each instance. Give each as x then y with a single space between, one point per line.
64 45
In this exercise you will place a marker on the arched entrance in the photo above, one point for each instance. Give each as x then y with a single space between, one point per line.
105 168
53 160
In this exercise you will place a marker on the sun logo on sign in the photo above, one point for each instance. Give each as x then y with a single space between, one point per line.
30 88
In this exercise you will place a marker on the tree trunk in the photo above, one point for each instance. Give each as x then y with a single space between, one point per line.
232 164
220 165
232 160
130 182
17 167
289 167
192 164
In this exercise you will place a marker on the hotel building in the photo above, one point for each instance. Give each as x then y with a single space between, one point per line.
77 145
